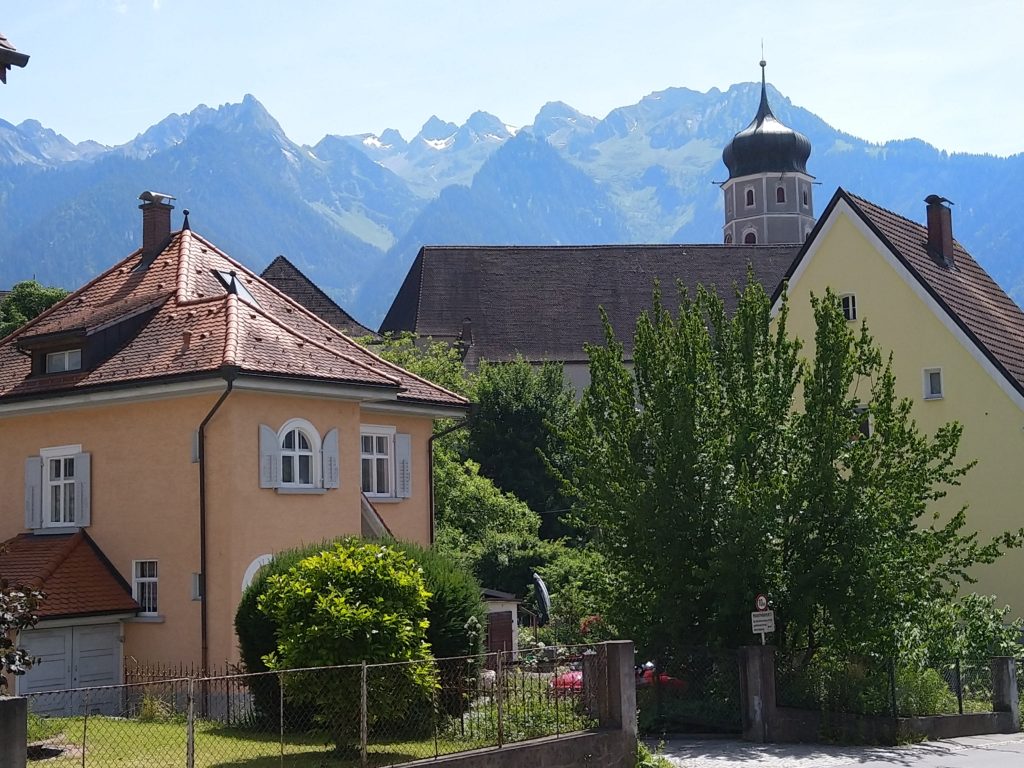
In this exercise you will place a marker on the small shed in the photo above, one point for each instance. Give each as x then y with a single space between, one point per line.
502 620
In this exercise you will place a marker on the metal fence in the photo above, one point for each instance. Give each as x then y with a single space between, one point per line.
694 690
880 686
356 715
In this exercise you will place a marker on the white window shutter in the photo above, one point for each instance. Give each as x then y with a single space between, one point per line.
33 492
83 489
329 452
403 466
270 458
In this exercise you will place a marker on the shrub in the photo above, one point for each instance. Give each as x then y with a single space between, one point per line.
923 692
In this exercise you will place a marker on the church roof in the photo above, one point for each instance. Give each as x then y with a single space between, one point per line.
194 312
542 301
288 279
766 145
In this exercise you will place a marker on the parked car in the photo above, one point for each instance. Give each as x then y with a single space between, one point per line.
645 675
567 683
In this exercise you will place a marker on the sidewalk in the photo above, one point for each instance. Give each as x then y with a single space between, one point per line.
993 751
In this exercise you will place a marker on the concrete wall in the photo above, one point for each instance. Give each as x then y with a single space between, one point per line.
608 749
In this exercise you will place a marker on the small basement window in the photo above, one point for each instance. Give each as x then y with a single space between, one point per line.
848 301
65 360
933 384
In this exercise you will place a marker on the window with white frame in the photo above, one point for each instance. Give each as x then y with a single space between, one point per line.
933 384
376 459
57 488
144 586
65 360
848 302
295 459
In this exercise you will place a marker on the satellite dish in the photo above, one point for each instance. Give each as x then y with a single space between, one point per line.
540 590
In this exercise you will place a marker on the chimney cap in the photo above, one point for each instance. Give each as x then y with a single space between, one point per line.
156 197
938 200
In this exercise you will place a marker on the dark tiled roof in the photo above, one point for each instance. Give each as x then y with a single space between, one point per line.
966 291
542 301
287 278
9 55
195 326
75 575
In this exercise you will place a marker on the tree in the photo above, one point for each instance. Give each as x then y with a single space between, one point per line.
514 433
18 606
706 480
349 603
26 300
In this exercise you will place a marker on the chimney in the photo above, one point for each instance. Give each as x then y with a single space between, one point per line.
940 230
156 224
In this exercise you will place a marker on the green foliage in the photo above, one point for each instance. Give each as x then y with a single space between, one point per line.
514 433
435 361
26 300
706 480
351 602
645 758
153 709
575 580
18 606
923 692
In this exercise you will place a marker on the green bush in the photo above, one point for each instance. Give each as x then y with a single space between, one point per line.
923 692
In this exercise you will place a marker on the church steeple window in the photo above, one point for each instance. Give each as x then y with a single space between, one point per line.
750 238
780 194
750 197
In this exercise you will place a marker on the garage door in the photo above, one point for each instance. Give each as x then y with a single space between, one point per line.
72 658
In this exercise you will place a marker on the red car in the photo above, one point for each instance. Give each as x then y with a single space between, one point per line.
664 680
568 682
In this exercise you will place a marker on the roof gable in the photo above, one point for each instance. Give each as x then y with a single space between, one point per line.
76 576
288 279
207 313
968 296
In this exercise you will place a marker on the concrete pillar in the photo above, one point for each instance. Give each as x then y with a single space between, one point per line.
618 711
593 681
13 732
1004 688
757 691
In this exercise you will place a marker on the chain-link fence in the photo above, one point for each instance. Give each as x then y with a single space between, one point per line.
879 686
356 715
693 690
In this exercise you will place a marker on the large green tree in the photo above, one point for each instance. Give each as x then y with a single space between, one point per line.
26 300
722 465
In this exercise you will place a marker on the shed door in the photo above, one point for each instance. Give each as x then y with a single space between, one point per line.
72 657
499 631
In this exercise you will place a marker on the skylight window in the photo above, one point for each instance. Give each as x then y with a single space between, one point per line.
232 284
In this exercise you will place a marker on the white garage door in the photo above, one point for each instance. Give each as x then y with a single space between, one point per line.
70 658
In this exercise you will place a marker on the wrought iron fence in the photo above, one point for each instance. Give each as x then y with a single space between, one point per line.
880 686
356 715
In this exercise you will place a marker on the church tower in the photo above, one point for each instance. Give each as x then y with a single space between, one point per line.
768 196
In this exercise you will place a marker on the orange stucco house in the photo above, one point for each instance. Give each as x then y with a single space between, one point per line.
169 426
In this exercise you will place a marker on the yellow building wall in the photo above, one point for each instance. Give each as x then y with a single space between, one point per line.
899 320
145 498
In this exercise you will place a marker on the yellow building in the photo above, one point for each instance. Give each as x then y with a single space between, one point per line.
168 427
957 342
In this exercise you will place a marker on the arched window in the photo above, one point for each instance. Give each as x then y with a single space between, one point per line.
300 454
750 238
728 238
750 197
253 569
780 194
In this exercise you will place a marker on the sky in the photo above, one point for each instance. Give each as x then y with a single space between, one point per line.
945 71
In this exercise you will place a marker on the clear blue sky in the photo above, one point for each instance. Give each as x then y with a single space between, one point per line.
948 72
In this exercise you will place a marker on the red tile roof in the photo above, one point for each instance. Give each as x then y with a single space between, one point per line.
75 575
966 291
196 327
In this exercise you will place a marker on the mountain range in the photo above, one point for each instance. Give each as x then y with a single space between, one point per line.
351 211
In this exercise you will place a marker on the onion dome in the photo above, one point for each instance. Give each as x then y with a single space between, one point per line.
766 145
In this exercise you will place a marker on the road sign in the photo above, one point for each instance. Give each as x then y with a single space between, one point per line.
761 603
762 622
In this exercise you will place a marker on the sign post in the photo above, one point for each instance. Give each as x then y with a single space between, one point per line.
762 621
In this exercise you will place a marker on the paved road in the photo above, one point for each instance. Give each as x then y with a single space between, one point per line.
995 751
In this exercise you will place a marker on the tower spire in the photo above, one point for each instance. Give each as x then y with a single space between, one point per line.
763 110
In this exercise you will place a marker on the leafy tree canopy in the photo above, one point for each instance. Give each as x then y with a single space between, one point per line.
26 300
722 465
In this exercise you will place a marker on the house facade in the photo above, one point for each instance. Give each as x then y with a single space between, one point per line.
168 427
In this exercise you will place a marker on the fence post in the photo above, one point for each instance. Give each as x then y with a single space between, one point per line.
85 725
499 700
892 688
364 722
190 725
13 731
590 682
1005 697
280 712
959 688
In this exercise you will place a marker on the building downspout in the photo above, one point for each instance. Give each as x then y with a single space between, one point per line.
229 374
430 465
